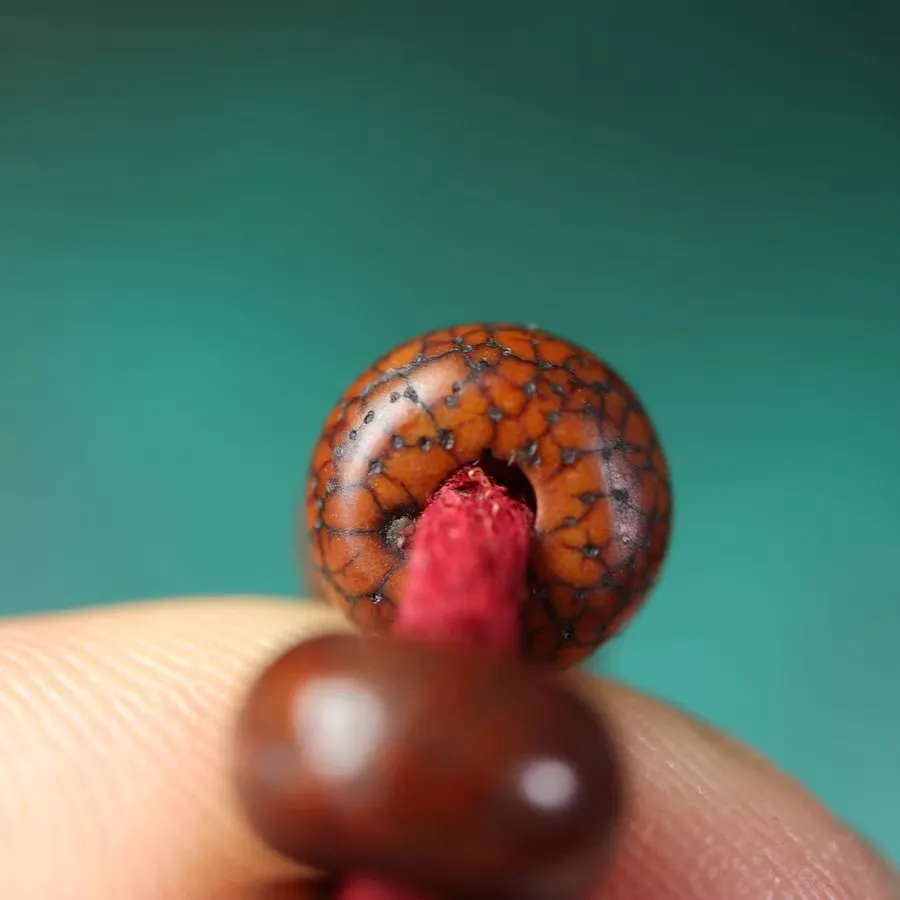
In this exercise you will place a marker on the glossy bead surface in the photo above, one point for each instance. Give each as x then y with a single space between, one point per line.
499 394
431 766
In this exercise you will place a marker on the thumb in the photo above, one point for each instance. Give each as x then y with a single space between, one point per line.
115 752
115 743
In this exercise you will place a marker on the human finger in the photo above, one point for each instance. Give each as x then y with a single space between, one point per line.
115 747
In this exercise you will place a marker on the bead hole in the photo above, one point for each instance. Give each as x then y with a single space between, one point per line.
511 477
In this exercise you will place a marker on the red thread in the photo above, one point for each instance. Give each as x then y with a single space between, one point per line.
466 579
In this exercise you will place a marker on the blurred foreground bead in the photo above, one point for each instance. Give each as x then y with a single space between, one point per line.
299 889
544 418
431 766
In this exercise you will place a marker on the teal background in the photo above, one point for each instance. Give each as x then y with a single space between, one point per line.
210 221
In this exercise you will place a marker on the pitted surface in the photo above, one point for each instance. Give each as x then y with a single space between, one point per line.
527 398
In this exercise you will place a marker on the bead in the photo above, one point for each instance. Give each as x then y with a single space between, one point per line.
430 766
305 889
549 420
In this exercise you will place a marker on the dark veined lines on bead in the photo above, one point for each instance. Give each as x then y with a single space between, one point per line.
527 451
483 353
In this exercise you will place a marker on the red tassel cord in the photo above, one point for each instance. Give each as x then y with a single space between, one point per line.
467 578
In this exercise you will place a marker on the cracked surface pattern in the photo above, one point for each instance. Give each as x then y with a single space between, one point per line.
510 395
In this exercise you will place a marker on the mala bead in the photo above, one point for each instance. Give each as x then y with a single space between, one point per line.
543 417
430 766
299 889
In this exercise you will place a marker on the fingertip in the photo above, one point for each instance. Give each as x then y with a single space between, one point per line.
708 817
117 739
117 729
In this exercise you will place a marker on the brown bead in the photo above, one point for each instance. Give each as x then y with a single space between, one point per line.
430 766
301 889
523 403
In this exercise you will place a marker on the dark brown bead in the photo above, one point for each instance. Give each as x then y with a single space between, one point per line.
528 406
431 766
305 889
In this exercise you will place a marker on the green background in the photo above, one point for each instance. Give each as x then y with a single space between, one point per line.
212 219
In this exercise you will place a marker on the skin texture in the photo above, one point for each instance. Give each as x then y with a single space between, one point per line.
582 446
116 728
